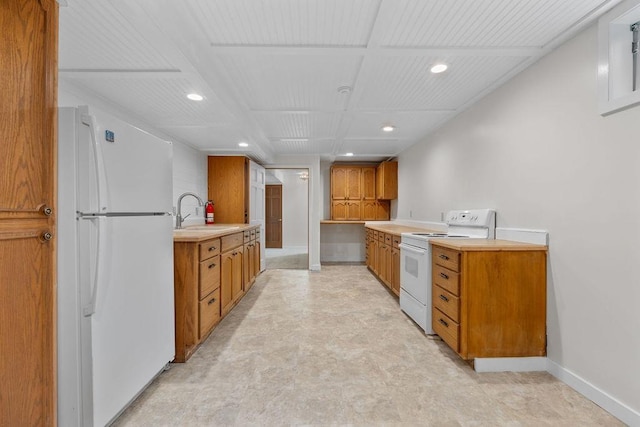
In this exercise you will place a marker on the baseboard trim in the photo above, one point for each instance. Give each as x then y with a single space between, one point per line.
510 364
315 267
601 398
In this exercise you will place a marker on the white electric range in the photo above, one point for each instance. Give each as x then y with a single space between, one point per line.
415 259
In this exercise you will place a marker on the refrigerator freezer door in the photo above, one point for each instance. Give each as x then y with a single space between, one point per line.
133 165
132 330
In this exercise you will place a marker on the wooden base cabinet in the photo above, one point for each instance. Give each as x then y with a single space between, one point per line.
383 258
196 293
211 277
490 303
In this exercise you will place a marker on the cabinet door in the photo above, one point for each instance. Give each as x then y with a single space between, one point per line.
383 210
353 211
354 185
387 181
246 267
382 261
256 259
236 275
339 210
338 183
369 210
228 188
226 282
395 270
27 188
368 183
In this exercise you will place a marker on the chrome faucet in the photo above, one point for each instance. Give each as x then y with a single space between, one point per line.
179 218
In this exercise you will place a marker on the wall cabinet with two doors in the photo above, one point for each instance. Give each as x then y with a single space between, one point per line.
363 192
210 278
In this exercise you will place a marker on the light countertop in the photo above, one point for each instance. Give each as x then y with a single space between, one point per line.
398 229
198 233
487 245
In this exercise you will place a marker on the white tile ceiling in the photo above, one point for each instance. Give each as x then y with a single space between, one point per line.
270 70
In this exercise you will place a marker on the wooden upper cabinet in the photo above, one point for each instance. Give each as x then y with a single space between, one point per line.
368 183
229 188
353 194
387 181
345 183
28 209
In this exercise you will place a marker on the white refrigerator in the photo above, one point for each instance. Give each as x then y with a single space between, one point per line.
115 264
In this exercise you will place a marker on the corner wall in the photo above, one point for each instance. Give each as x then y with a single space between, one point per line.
538 152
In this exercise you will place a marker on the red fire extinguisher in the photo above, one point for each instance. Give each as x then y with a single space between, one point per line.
208 210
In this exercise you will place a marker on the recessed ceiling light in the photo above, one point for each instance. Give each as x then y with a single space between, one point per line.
243 144
195 97
439 68
388 128
349 154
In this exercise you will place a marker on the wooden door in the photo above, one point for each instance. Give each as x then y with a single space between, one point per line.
28 132
274 216
383 211
339 210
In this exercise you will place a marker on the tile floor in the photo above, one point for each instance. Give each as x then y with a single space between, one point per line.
288 257
333 348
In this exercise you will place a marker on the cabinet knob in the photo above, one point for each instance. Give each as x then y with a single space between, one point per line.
46 236
211 301
444 298
211 265
212 248
443 256
46 210
444 276
443 323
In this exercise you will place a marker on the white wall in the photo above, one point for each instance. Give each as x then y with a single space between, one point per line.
189 164
295 207
537 151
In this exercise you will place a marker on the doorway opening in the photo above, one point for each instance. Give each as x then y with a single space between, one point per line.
287 219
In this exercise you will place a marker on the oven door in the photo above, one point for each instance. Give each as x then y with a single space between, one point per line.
415 272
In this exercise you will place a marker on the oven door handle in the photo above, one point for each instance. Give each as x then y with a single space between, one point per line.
412 249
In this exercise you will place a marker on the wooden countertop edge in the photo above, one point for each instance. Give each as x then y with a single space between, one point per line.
202 235
487 245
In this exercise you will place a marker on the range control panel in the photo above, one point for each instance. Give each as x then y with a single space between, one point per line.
471 218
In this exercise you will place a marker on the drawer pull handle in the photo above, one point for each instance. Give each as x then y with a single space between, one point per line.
446 325
212 248
211 265
443 298
444 276
211 301
443 256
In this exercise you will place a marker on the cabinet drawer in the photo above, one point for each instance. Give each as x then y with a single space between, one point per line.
209 275
374 235
396 241
388 239
253 234
232 241
447 258
381 236
446 329
209 248
209 311
247 236
447 279
446 302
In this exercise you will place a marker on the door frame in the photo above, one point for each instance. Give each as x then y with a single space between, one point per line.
308 169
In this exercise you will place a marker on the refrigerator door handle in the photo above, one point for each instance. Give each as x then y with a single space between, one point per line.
98 159
101 250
